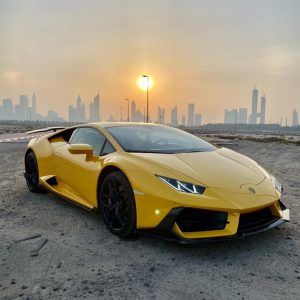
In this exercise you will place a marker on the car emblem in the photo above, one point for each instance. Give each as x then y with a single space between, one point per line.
252 190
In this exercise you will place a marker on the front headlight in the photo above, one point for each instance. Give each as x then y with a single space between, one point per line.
277 185
275 182
182 186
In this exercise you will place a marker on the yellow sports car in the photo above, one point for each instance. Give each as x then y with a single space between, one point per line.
157 180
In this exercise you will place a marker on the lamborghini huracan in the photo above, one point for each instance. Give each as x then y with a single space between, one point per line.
157 180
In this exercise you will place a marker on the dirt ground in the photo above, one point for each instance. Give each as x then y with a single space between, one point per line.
82 260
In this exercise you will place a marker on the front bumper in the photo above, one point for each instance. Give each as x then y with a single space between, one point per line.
225 225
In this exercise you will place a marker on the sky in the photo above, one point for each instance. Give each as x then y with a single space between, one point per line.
208 52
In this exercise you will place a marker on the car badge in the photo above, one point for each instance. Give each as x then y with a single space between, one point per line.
252 190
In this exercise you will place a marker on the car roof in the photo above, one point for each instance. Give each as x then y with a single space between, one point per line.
122 124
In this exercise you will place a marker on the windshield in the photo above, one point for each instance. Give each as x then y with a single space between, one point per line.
158 139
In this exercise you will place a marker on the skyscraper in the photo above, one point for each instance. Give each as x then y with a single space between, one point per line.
33 107
161 115
198 120
253 118
77 114
96 108
133 111
82 117
24 108
295 121
263 110
78 106
80 110
174 118
91 112
72 114
8 109
242 116
230 116
191 114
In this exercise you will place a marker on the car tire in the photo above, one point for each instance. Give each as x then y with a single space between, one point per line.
117 204
32 173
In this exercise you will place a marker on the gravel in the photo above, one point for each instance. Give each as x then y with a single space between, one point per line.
82 260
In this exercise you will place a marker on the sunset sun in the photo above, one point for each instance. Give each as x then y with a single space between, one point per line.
143 82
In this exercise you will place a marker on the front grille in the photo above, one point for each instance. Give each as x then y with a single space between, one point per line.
255 219
191 219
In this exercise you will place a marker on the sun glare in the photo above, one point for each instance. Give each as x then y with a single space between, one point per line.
143 82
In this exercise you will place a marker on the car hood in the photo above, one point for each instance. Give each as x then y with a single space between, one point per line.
222 168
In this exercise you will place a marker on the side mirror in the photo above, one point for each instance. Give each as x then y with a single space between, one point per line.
82 149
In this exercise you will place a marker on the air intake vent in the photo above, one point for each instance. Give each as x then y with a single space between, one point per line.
191 220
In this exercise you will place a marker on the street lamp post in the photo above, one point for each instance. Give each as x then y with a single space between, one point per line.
146 76
127 110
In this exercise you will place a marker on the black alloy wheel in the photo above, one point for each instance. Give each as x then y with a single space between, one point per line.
32 173
117 204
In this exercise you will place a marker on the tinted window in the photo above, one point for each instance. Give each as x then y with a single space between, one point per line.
158 139
108 148
89 136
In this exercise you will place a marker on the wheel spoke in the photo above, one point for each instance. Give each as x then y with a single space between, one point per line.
112 189
110 207
31 173
119 216
115 202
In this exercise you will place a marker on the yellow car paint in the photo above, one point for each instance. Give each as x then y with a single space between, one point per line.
227 176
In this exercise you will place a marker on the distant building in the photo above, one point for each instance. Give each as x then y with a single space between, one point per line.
95 116
263 110
80 111
295 119
191 114
7 109
133 111
136 115
230 116
198 120
254 113
72 114
183 122
253 117
53 117
161 115
174 117
33 107
18 112
140 117
91 111
242 116
77 114
23 109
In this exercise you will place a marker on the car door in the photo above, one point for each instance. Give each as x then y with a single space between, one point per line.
78 174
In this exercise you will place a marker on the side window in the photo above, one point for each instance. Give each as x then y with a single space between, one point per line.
108 148
90 136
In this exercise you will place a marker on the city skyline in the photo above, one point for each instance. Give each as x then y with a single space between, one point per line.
79 113
210 53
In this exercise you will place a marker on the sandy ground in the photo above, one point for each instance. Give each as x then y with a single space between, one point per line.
81 259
